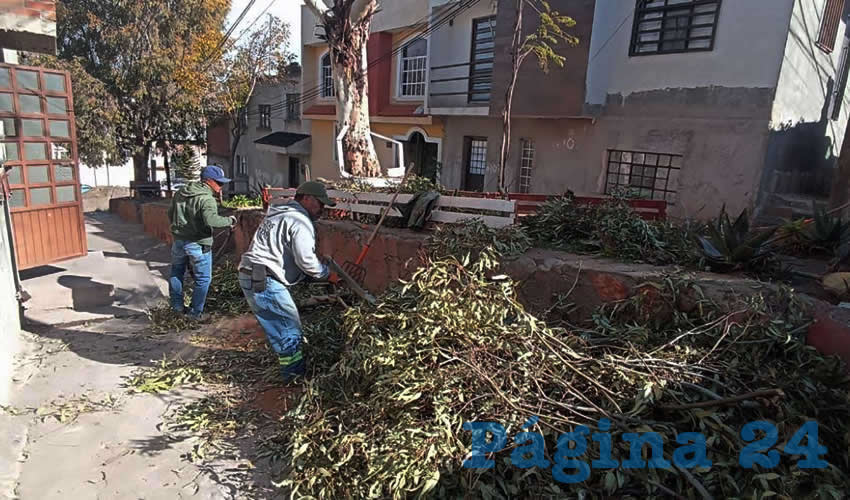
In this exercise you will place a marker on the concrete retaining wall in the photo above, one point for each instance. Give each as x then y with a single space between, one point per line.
128 209
544 277
155 221
98 198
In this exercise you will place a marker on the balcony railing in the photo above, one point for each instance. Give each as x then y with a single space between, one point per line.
460 85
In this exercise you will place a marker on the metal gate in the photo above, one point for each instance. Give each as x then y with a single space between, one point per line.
38 147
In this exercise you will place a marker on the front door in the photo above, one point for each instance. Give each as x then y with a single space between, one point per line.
475 163
294 172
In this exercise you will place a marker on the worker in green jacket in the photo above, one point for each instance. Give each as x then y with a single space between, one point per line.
193 215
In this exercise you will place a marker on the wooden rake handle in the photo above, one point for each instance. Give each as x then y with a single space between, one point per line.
384 213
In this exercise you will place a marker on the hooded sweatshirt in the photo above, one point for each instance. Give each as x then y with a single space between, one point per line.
194 214
285 243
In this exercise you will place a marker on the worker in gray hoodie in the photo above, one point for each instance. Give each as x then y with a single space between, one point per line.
282 254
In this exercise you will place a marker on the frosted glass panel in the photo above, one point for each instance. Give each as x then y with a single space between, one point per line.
15 176
5 78
66 194
28 80
54 82
30 103
35 151
40 196
6 103
9 151
8 127
37 175
18 199
60 128
63 173
57 105
32 128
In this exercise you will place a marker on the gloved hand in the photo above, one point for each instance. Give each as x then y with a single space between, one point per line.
233 221
333 278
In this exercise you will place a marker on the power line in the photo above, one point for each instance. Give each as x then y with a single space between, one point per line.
416 34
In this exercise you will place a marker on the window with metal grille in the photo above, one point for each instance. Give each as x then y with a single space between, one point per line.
841 85
265 116
477 157
829 24
292 108
327 77
671 26
481 62
242 166
414 59
526 164
646 175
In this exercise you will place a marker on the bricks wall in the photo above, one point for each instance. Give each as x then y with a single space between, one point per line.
44 9
155 221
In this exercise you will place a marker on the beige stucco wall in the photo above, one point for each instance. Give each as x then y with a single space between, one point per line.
324 164
721 165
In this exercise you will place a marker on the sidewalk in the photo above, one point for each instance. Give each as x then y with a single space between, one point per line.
71 429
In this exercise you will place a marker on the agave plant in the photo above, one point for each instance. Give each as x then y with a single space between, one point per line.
826 232
731 246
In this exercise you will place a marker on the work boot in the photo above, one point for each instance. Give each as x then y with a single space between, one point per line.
203 318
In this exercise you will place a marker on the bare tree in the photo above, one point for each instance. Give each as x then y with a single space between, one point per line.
347 24
550 32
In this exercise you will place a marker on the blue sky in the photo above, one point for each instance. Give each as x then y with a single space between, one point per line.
288 10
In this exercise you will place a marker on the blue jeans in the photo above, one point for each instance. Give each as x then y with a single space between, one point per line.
183 254
277 314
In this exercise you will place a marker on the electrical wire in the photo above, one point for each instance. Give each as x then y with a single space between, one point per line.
415 34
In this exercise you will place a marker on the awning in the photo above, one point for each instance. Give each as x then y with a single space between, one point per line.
285 143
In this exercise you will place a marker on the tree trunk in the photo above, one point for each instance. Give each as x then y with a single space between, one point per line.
167 166
141 168
516 61
347 39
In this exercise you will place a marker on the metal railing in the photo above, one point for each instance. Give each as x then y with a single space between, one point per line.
478 83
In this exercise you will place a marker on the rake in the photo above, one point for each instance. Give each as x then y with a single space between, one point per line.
355 269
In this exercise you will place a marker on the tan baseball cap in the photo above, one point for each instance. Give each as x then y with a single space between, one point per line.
317 190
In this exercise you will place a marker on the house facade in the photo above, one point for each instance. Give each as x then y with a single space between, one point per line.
701 103
274 148
397 56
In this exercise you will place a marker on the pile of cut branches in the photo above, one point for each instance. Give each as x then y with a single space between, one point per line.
613 229
452 346
225 298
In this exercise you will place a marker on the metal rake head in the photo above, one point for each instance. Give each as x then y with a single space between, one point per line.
357 273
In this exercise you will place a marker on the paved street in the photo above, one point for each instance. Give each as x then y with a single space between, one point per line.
70 428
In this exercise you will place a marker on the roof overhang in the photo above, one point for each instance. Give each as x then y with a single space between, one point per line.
285 143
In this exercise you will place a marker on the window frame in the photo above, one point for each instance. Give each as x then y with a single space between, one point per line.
622 172
526 163
472 62
641 9
402 59
327 92
293 109
265 116
830 24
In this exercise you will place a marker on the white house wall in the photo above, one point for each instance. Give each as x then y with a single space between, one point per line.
748 51
804 139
